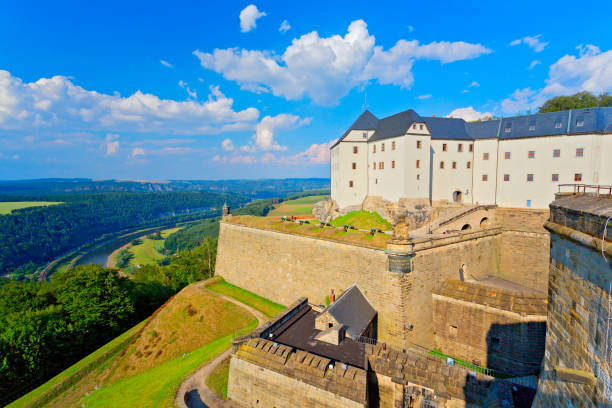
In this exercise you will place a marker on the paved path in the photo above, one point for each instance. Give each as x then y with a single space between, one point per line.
200 396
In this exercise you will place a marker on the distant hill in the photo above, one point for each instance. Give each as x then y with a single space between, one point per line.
254 189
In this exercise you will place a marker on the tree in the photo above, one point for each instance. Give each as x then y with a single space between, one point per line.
578 100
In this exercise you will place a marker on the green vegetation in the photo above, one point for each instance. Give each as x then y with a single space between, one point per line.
299 206
262 304
8 206
576 101
217 380
123 258
149 251
363 220
192 236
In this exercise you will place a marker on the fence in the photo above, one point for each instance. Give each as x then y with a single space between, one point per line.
591 189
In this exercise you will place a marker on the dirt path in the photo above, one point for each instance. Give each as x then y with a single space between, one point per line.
200 396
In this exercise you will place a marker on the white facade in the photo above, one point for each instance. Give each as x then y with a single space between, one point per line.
513 172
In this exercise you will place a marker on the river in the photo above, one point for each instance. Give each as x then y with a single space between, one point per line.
100 255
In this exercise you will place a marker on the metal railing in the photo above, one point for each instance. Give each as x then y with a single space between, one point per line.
592 189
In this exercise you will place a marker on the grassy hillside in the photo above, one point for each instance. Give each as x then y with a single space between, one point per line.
148 252
264 305
363 220
192 328
8 206
299 206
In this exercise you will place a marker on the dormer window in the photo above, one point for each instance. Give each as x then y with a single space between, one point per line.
580 122
421 127
508 127
558 123
365 135
414 126
532 125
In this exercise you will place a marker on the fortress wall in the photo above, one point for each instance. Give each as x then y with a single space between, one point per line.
283 267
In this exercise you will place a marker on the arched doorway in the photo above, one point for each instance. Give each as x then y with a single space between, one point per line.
457 196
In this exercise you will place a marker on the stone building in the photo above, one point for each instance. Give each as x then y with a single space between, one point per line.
492 323
577 360
512 162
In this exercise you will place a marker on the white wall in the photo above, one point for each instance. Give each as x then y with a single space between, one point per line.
342 159
484 191
448 180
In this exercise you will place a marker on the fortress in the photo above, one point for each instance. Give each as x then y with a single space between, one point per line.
476 304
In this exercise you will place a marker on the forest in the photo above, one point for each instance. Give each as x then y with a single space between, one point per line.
36 235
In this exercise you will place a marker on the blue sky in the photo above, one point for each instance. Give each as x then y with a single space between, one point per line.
210 90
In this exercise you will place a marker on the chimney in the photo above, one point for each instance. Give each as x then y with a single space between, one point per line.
332 297
434 115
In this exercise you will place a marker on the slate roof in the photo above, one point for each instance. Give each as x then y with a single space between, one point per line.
575 121
353 310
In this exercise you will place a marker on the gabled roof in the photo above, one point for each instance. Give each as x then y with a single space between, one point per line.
353 310
395 125
365 121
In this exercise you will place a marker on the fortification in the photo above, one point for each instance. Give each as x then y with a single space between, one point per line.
576 368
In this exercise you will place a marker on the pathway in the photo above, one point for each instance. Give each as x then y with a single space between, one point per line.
200 396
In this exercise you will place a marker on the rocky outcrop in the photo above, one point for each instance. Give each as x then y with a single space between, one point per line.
414 212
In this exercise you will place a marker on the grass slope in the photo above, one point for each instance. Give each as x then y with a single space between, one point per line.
217 379
299 206
147 253
363 220
8 206
262 304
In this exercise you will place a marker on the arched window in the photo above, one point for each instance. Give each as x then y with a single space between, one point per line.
466 227
484 223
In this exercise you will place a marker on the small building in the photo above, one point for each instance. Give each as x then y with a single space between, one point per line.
492 323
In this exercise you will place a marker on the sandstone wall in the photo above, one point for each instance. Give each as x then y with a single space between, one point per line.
283 267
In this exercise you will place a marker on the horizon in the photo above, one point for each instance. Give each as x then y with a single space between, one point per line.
254 90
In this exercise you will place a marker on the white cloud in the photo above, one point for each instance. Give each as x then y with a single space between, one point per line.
192 93
284 27
469 114
248 18
590 71
533 64
241 159
166 63
138 151
112 144
326 68
227 145
532 41
263 139
56 104
474 85
423 97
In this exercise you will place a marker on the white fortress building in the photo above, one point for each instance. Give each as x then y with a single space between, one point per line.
511 162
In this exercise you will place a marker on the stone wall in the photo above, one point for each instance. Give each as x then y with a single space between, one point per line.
576 368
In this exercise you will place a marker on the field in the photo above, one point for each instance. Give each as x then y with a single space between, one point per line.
298 207
363 220
264 305
145 253
217 380
8 206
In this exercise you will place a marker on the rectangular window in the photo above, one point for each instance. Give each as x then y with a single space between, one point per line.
468 165
555 177
351 183
485 177
374 164
382 147
556 153
532 125
528 203
460 147
354 166
441 164
530 178
444 147
421 127
365 135
414 126
531 154
381 165
418 144
392 145
471 147
373 148
579 122
507 155
355 149
452 331
418 164
454 165
485 156
418 176
578 177
508 128
392 164
558 124
506 177
579 152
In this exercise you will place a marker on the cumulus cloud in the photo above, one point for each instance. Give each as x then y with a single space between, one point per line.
166 63
112 144
284 27
326 68
265 132
423 97
248 18
56 104
532 41
138 151
469 114
533 64
590 71
227 145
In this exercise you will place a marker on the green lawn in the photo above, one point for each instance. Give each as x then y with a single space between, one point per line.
147 253
157 386
8 206
38 392
363 220
299 206
217 380
262 304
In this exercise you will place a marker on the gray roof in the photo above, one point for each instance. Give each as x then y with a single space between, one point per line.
353 310
575 121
